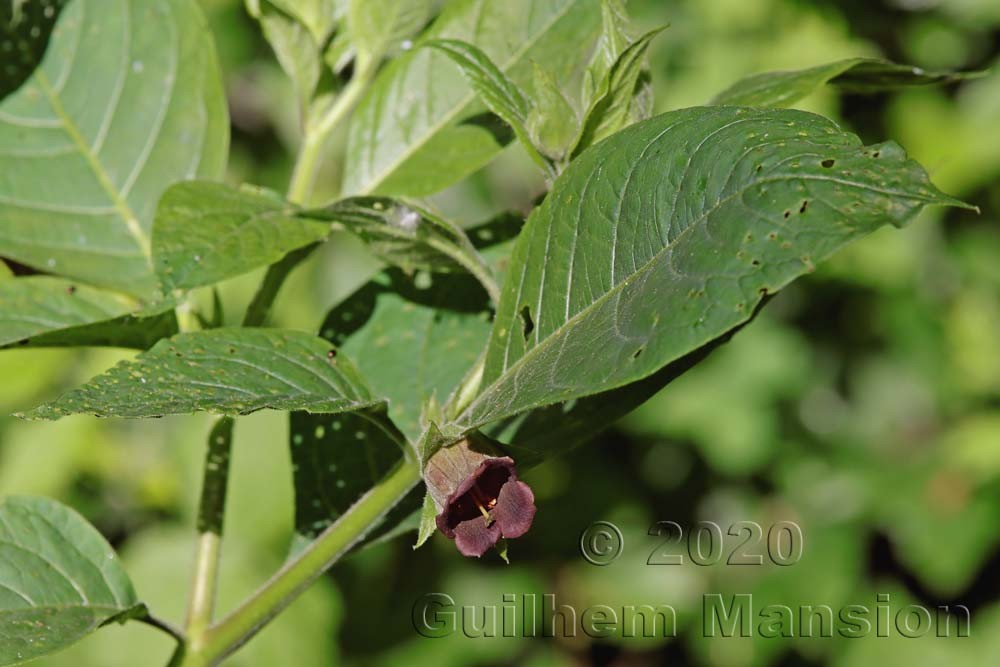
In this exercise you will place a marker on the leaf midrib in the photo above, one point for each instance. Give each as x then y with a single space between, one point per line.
448 118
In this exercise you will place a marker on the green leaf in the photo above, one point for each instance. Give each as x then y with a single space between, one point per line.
553 124
643 99
225 371
336 459
553 430
412 102
25 28
127 100
409 237
668 235
6 273
497 92
855 75
460 149
206 232
613 41
339 53
413 341
46 311
612 109
60 579
138 330
294 45
33 305
319 16
376 26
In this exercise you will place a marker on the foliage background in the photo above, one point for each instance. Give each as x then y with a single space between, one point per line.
863 404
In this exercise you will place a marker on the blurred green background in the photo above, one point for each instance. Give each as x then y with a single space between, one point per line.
864 404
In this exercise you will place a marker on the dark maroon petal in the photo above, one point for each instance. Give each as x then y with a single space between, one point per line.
486 481
474 538
504 462
442 524
515 509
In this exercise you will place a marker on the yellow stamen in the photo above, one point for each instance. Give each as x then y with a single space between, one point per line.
486 514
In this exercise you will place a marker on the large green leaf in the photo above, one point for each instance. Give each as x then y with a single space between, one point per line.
225 371
59 579
666 236
25 28
127 100
415 100
855 75
206 232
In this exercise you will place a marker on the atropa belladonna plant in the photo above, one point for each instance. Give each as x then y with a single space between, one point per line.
476 348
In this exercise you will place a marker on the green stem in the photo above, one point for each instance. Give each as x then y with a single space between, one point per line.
163 626
211 513
206 570
315 137
187 320
267 292
298 574
300 190
306 168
